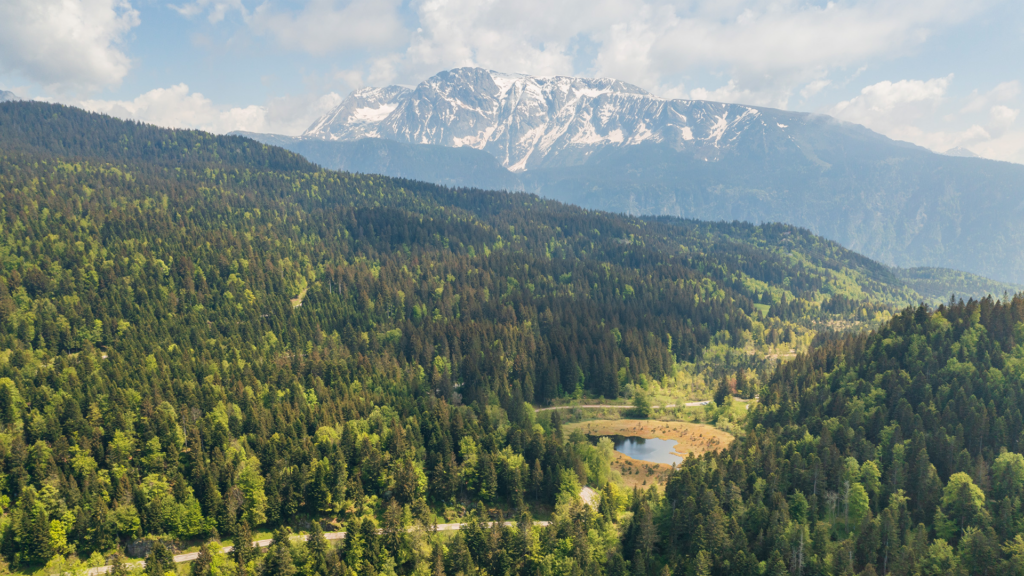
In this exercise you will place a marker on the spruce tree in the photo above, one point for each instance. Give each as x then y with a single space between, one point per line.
117 565
159 560
243 551
318 547
722 392
204 563
279 561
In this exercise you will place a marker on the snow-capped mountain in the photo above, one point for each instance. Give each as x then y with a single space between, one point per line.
8 96
609 145
960 152
531 122
359 115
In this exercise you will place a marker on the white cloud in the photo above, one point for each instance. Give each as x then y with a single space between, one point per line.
531 36
881 105
813 88
178 107
896 108
323 26
66 45
1004 92
907 110
763 50
767 48
1003 116
733 93
320 27
216 9
1009 147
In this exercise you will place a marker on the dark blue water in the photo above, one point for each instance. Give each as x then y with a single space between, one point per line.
648 449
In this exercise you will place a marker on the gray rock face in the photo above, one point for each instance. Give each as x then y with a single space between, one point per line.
359 115
528 122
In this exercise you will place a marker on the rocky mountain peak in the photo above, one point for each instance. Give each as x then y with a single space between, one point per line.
536 122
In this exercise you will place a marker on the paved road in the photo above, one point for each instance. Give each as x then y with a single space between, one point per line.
618 406
264 543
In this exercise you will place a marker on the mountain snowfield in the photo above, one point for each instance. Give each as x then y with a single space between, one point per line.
529 122
608 145
8 96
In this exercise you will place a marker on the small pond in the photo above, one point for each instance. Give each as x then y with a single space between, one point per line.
648 449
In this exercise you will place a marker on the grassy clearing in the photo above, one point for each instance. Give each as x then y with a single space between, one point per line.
296 302
689 437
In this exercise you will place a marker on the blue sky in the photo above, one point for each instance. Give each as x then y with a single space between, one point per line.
938 73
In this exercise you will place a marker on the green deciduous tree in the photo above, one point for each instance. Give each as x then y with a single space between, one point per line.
962 500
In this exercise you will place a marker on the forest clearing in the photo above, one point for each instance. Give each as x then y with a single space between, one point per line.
689 438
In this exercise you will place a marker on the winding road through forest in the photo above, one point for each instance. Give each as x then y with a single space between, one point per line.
619 406
190 556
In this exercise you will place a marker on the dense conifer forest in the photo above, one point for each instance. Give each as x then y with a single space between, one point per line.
202 337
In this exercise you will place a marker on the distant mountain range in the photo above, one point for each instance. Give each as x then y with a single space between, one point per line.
7 96
609 145
960 152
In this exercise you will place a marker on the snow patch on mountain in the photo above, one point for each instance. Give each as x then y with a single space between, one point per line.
358 115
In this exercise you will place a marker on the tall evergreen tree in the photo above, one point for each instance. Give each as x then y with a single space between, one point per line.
278 560
203 564
318 548
160 560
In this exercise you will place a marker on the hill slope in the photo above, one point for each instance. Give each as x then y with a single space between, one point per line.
897 451
456 167
937 285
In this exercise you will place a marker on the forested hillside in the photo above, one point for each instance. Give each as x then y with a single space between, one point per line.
935 285
204 336
898 451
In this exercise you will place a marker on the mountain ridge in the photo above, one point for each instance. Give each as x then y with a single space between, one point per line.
533 122
611 146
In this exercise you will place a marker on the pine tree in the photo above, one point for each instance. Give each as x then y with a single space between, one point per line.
318 547
117 565
488 478
203 563
279 561
159 560
459 559
722 392
6 404
243 551
32 530
438 560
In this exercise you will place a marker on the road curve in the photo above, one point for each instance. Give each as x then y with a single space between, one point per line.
264 543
